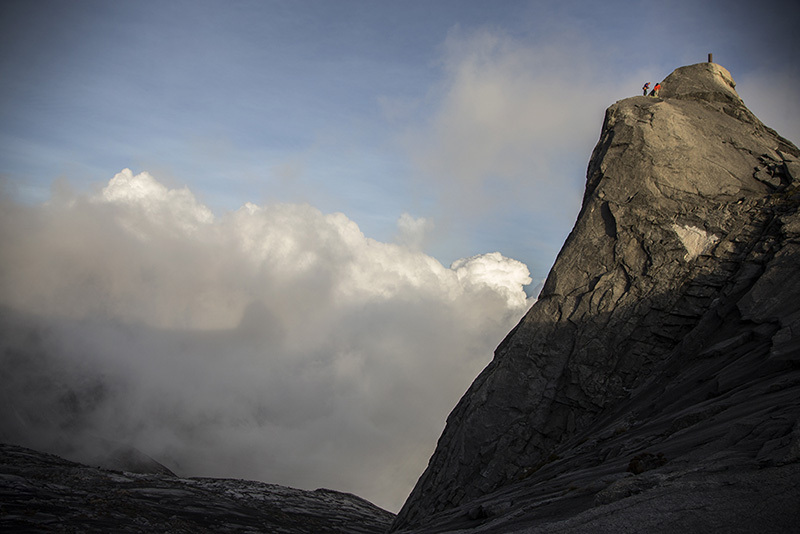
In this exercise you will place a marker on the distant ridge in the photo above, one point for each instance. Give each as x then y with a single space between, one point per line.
44 493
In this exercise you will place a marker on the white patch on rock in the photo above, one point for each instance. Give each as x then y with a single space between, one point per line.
695 240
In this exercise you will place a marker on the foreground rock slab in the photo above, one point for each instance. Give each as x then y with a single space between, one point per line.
45 493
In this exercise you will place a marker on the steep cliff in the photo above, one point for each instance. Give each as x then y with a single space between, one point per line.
660 365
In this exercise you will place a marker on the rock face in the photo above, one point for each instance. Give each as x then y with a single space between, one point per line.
655 384
44 493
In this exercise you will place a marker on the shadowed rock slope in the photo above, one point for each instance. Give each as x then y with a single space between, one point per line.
655 385
44 493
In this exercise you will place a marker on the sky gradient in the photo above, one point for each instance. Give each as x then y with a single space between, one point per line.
367 189
479 117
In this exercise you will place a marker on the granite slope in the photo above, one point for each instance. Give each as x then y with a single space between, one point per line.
655 385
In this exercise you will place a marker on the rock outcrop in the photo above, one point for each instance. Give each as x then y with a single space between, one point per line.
655 384
44 493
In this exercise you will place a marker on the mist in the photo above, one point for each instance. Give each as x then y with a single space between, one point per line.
273 343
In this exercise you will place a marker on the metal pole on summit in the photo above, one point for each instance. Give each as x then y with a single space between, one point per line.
710 57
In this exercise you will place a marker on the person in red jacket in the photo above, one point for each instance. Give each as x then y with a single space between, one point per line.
656 89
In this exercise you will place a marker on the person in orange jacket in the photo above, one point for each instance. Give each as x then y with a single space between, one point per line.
657 89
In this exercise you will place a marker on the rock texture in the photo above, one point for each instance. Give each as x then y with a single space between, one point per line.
44 493
655 385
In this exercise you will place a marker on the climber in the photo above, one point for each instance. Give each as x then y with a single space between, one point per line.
657 89
645 88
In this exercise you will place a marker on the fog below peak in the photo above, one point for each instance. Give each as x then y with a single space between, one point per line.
274 343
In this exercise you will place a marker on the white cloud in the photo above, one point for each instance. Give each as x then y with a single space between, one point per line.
511 116
497 274
153 203
413 232
274 342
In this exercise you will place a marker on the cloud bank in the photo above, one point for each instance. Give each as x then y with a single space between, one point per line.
510 114
275 342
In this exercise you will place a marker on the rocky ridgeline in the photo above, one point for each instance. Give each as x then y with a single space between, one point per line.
44 493
655 385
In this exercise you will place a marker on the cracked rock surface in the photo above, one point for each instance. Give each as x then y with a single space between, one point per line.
655 384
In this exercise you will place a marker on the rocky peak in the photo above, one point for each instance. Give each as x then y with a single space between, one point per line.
673 281
702 81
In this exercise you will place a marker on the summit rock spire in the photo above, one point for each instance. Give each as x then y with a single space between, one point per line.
663 339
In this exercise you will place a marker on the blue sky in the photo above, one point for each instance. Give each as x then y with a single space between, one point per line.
282 238
325 101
